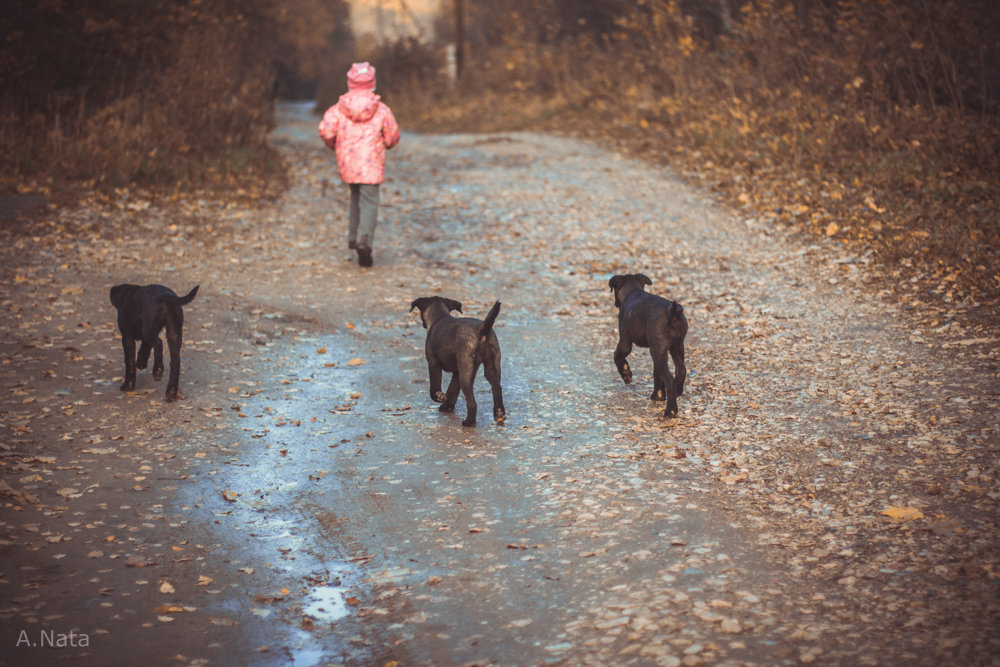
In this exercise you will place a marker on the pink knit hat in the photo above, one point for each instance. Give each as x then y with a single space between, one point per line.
361 75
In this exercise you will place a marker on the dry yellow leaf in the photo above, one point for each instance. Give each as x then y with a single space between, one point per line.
356 361
168 608
903 513
832 229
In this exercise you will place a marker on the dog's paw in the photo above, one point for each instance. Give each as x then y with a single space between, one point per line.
439 397
670 412
627 374
499 416
171 396
157 374
468 422
447 407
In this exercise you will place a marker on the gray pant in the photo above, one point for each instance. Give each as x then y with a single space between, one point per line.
363 213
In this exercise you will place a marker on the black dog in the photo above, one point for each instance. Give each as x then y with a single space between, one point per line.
142 313
654 322
459 346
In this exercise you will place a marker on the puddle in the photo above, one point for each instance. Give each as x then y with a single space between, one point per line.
326 604
307 657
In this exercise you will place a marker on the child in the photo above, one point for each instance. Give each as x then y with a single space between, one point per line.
360 128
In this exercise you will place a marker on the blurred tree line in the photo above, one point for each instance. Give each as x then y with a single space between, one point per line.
156 91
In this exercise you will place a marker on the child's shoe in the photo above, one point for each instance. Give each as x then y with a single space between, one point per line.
364 252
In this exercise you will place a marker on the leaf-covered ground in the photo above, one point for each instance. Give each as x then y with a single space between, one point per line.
828 493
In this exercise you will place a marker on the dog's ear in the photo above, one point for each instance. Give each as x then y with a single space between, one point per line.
451 304
643 278
615 281
415 303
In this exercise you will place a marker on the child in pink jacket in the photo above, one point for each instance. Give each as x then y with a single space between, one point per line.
361 129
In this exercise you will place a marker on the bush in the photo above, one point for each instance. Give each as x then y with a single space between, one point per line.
149 91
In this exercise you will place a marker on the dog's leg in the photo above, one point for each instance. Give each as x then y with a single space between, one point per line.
448 404
174 340
158 358
466 377
658 392
492 371
434 373
659 354
621 353
680 374
128 346
662 372
142 360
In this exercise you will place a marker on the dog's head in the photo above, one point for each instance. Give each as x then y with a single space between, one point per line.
119 293
620 284
432 307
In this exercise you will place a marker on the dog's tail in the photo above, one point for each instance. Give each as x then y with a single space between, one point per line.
491 317
676 311
184 300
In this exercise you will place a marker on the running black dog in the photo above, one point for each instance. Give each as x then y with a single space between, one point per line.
459 346
650 321
144 311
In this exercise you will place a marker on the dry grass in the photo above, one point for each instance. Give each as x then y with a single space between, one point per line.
195 114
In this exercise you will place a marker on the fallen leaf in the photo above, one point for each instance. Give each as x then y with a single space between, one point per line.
903 513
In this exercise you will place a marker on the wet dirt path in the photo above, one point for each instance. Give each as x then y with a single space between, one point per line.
307 504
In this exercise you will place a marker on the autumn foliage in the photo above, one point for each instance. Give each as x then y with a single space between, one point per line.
872 123
153 92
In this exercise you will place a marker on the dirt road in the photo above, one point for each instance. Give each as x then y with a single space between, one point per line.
828 493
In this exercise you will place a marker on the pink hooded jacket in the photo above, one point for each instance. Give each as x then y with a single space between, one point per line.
360 128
